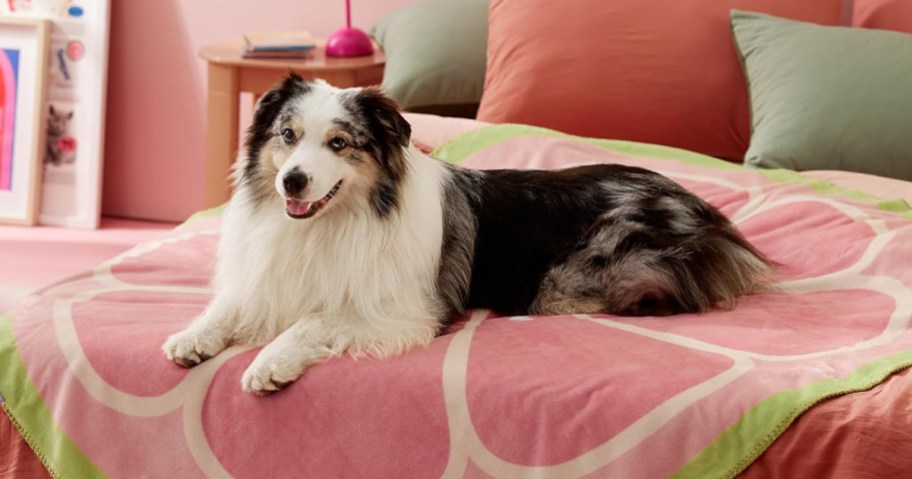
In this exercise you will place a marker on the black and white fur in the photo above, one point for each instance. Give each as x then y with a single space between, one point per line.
339 237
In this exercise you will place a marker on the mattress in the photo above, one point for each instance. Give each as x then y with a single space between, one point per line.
460 408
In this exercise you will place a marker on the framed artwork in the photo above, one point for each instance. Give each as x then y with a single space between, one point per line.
74 106
23 61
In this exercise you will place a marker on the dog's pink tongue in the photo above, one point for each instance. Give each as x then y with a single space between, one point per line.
297 207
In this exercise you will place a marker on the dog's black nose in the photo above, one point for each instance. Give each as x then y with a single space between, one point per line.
294 182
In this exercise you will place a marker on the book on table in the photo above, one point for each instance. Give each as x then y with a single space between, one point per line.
285 44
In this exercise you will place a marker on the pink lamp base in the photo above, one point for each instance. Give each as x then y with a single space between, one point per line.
349 42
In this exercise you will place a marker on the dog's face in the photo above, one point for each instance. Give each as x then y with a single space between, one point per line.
317 148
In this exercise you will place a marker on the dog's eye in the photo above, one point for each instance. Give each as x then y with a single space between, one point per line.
288 135
337 144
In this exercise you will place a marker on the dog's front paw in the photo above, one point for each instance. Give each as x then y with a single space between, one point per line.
269 373
191 347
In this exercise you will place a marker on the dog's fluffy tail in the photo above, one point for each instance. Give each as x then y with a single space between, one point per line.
655 275
705 273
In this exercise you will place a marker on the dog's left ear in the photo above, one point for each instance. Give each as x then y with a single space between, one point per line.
386 122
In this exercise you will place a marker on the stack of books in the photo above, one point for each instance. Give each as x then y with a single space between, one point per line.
296 44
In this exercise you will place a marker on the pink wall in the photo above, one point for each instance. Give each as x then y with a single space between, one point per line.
155 132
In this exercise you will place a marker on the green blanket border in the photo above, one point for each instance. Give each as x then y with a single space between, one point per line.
754 432
458 149
745 440
32 418
201 215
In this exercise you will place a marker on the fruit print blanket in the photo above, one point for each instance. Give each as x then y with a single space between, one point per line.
83 378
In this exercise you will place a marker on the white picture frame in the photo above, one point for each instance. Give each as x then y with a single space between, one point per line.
74 107
23 60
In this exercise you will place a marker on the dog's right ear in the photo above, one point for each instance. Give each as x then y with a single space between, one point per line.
290 86
270 105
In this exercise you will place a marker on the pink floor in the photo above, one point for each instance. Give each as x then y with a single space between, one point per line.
34 257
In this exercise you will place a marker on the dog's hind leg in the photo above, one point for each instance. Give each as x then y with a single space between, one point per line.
628 269
627 285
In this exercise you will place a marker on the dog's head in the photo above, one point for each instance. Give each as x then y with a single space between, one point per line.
317 148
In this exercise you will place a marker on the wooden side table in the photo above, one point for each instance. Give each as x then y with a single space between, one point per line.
230 74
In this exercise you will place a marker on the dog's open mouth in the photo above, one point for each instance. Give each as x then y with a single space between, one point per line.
298 209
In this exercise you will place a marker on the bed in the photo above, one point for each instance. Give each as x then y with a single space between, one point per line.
810 379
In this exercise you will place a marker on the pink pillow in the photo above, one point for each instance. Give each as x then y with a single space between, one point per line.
655 71
885 14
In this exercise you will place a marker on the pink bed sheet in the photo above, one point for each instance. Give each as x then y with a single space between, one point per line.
17 461
858 436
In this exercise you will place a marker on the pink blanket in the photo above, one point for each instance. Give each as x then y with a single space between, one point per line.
691 395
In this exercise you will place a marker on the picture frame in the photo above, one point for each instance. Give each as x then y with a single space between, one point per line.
23 81
74 107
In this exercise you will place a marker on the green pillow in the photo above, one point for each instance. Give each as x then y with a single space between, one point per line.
833 98
436 52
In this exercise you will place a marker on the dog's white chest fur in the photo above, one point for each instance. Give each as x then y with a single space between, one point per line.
351 269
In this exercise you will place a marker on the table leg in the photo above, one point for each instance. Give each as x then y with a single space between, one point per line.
221 131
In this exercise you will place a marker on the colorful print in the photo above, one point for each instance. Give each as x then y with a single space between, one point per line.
61 145
9 74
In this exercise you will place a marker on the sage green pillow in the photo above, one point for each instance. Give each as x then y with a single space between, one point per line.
436 51
827 98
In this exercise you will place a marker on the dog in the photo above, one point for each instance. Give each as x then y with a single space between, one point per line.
341 238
